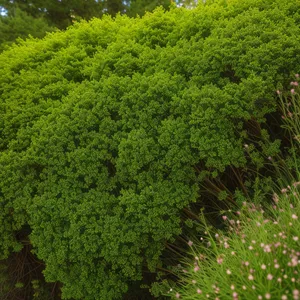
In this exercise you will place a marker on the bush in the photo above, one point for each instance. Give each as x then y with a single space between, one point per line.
109 129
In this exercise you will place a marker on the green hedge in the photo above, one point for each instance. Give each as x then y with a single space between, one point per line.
101 128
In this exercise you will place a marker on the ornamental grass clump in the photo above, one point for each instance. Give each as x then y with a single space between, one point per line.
290 108
257 258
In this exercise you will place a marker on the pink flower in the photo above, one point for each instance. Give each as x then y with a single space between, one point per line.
263 266
284 297
295 238
269 277
177 295
190 243
250 277
293 91
234 294
220 260
297 75
294 217
268 296
224 218
199 291
275 198
196 269
228 271
294 261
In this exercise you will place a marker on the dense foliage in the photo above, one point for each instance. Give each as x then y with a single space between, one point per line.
18 19
108 130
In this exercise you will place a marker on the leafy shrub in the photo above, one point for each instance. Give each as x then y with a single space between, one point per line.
108 129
